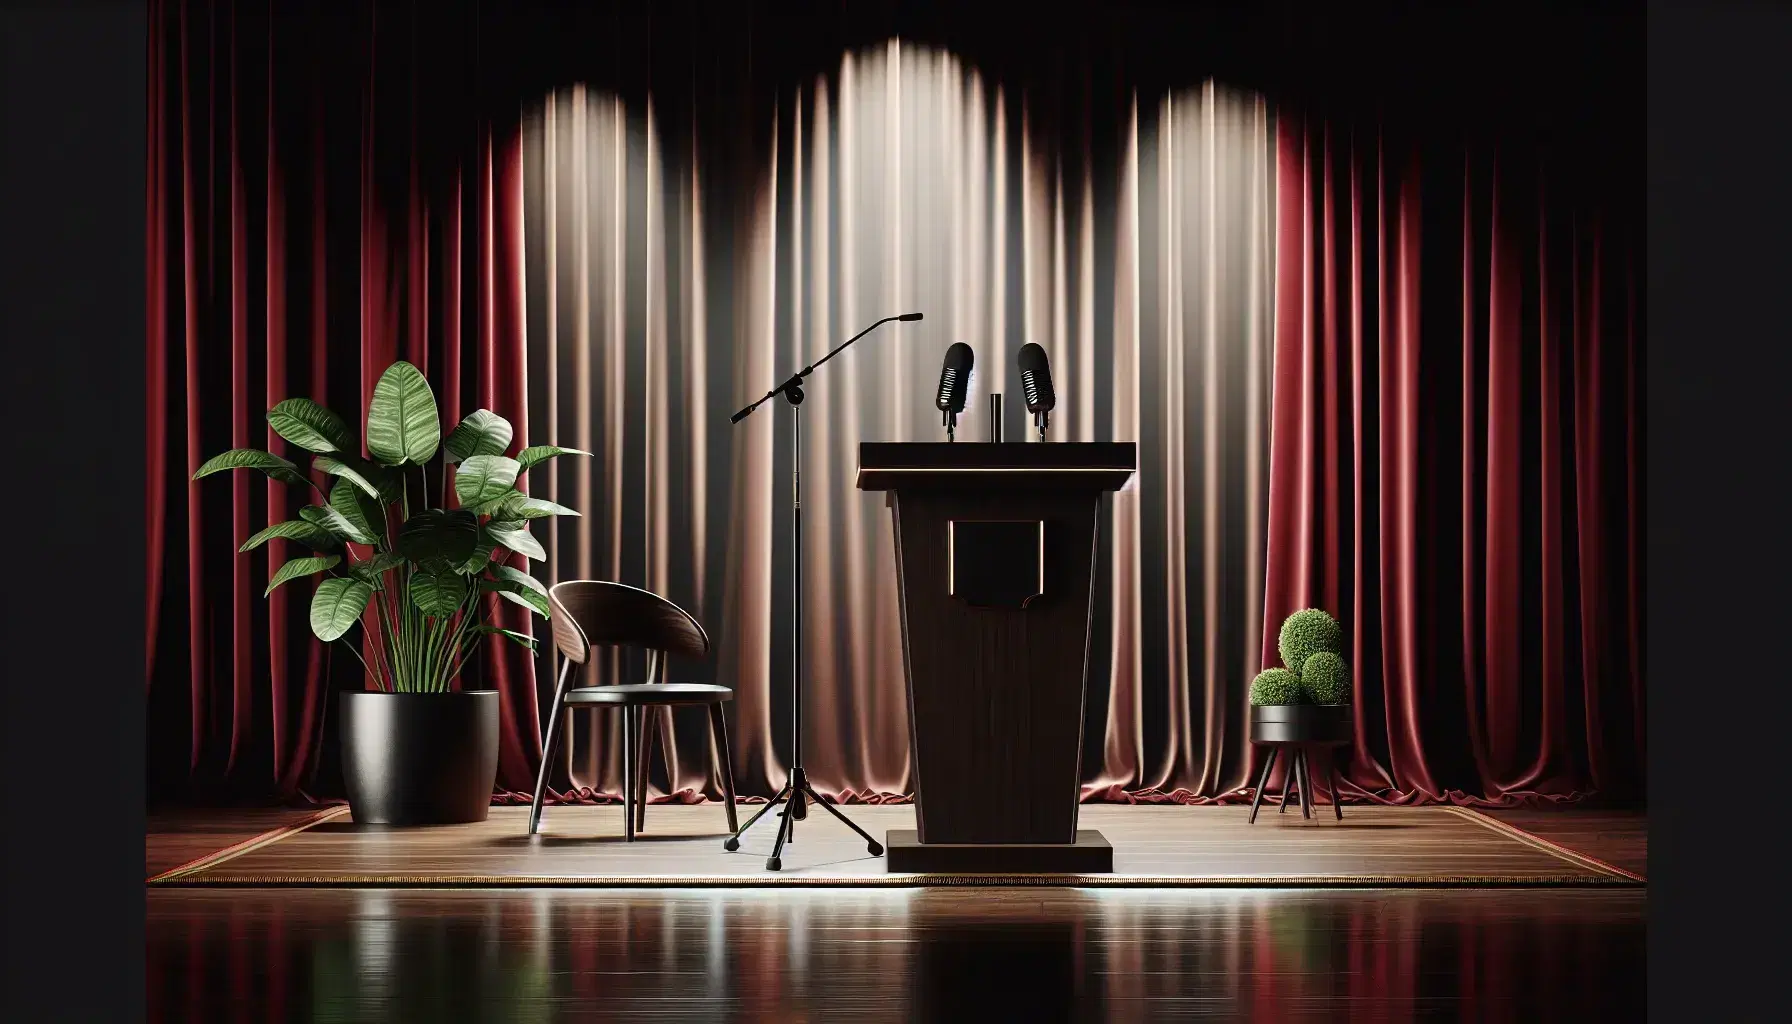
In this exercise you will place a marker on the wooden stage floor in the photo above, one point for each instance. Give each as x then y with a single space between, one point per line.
221 948
1038 955
1158 845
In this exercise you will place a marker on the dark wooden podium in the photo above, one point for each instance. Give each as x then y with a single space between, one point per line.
995 548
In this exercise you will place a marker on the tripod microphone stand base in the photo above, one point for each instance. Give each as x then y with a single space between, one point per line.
796 795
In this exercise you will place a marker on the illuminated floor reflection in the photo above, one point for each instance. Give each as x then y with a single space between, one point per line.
902 955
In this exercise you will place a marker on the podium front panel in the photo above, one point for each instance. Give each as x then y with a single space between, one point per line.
996 676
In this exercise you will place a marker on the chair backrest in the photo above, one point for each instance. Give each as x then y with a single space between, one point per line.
594 612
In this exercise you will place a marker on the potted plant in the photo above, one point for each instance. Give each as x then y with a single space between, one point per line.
1308 699
416 749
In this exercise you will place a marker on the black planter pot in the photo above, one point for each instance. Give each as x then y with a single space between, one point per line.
1301 723
419 758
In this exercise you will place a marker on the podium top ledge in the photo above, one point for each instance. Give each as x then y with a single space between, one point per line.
1101 464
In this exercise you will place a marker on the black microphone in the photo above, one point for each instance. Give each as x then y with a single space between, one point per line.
1036 382
955 375
909 317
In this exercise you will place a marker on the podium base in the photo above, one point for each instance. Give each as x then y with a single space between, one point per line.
1089 855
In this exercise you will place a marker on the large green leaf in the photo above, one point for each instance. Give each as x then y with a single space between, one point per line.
535 508
515 505
438 594
484 432
372 571
300 567
516 537
526 641
365 513
375 482
528 599
481 556
435 534
511 590
336 606
511 574
250 458
402 423
484 478
309 534
336 523
528 457
311 426
494 506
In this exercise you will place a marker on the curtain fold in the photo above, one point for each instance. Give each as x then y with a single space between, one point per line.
1454 471
310 223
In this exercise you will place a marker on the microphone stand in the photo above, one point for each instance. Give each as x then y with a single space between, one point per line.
797 794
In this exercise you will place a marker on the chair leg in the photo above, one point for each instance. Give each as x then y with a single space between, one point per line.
718 730
1262 781
630 715
645 737
551 744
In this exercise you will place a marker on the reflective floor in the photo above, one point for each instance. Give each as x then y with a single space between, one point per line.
899 955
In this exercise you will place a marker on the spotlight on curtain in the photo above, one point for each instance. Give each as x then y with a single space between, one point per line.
1191 348
618 360
901 180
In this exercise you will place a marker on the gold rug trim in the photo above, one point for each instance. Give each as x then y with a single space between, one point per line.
1574 857
268 838
774 880
193 873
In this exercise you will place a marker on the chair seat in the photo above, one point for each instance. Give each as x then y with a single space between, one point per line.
651 693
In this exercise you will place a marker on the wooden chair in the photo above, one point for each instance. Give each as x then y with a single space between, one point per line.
588 613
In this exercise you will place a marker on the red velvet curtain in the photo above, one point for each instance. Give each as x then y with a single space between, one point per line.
1456 460
326 196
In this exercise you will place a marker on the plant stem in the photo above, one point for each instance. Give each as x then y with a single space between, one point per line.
395 632
382 650
453 648
432 641
351 649
438 636
484 605
421 650
462 615
349 559
409 636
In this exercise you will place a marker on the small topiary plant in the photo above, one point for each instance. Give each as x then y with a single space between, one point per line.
1306 633
1326 679
1276 686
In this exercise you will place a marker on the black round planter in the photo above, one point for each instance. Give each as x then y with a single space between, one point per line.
419 758
1301 723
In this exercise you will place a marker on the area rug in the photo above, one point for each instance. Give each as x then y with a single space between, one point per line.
1163 846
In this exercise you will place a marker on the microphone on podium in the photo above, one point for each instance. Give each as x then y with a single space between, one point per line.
954 389
1036 382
